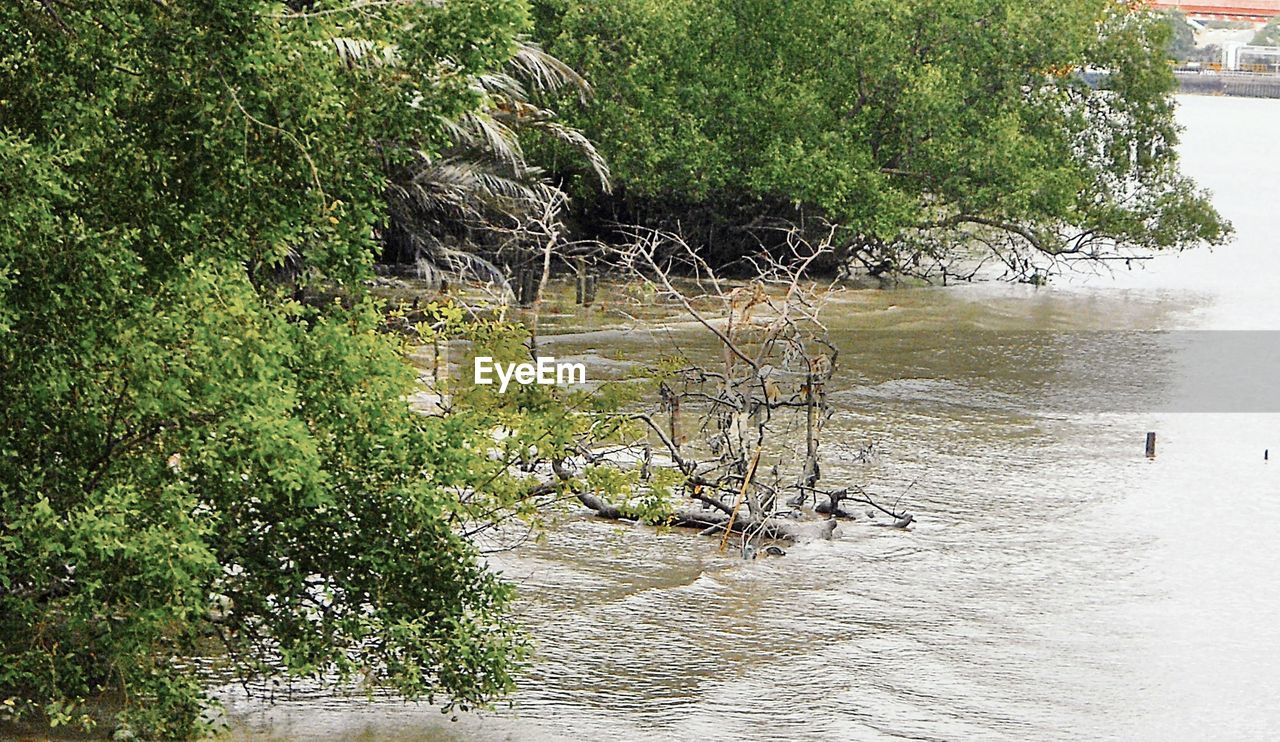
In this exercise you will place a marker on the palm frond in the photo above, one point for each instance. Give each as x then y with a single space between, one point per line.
584 146
362 53
482 190
547 73
501 84
465 263
465 185
481 131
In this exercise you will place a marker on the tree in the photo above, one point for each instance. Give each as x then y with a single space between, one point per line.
738 438
194 445
464 207
928 130
1182 40
1268 35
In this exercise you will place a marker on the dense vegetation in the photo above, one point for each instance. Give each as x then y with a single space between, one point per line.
1182 40
1268 35
200 455
194 460
918 125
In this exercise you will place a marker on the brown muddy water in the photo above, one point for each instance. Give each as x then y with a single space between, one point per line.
1058 584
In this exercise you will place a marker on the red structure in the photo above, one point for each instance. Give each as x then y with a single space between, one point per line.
1244 10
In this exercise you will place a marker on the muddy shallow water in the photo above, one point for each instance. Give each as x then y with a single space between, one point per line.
1058 584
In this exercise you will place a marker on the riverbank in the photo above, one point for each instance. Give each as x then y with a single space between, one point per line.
1236 85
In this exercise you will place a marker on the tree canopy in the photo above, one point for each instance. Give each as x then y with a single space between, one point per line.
189 453
1268 35
922 127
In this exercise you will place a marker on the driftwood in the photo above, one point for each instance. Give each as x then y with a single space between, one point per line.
831 506
714 519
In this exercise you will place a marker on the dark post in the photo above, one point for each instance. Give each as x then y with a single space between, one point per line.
589 290
1151 445
675 422
580 286
811 430
526 287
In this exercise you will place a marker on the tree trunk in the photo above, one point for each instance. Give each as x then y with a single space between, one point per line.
715 521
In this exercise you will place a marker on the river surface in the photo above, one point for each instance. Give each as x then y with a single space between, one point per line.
1058 583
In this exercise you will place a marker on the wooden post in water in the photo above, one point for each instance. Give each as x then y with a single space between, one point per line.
1151 445
675 422
526 287
672 402
580 285
811 431
522 284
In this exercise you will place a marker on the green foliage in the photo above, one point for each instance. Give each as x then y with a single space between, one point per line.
188 452
523 427
1268 35
1182 40
892 117
655 502
651 503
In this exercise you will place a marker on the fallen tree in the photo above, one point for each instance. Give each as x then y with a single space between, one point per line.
716 518
722 433
715 521
752 465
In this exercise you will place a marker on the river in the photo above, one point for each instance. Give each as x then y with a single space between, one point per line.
1058 583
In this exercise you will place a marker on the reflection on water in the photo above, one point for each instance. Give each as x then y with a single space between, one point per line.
1058 585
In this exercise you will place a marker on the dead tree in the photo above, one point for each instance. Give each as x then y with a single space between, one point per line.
740 427
760 410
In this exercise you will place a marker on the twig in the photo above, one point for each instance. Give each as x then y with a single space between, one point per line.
746 482
315 172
